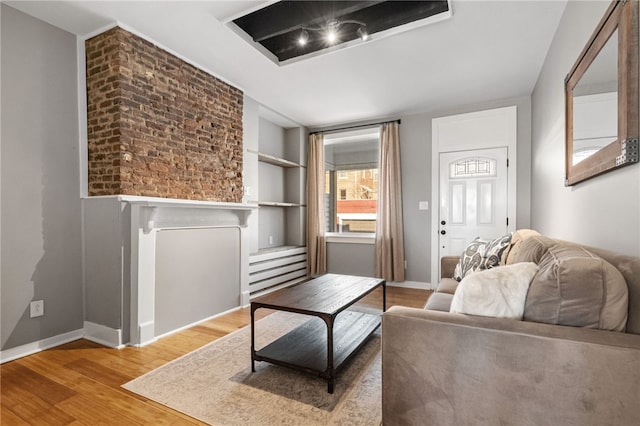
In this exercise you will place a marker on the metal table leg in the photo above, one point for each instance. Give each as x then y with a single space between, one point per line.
253 340
330 369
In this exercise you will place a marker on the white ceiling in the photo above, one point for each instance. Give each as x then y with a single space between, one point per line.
487 50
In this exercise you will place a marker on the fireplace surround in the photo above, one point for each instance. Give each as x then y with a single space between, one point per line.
120 259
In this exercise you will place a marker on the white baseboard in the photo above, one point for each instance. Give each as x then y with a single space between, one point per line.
103 335
411 284
184 327
245 299
147 333
35 347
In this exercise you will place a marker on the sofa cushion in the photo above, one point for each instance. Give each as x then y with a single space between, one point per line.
447 285
531 249
574 287
497 292
439 302
480 254
515 244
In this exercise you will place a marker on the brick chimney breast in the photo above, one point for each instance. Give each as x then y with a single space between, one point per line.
158 126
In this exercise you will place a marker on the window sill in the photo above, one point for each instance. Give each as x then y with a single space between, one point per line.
350 238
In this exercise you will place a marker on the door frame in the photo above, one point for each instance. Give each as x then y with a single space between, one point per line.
492 128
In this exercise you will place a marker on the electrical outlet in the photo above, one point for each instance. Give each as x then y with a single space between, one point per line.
37 308
270 239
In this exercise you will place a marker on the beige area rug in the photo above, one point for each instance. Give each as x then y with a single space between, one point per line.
215 384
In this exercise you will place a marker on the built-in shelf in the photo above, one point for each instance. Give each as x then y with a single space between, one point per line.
278 204
276 161
277 178
267 253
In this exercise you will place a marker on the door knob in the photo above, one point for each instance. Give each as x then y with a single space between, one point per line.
443 232
443 222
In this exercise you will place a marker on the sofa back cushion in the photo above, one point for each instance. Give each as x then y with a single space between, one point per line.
517 239
629 267
531 249
574 287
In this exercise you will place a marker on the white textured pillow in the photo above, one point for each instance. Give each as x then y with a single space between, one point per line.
498 292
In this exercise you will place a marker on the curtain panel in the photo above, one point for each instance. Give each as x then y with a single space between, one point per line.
316 243
389 246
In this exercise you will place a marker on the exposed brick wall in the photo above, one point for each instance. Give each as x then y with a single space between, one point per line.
158 126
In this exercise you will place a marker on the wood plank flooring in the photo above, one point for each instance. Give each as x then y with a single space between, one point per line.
79 383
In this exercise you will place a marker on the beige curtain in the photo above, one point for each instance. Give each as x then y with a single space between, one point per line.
389 228
316 244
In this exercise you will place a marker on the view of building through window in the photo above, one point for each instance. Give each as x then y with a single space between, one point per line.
355 207
351 183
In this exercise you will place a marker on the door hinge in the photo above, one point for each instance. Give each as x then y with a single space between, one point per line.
507 221
507 162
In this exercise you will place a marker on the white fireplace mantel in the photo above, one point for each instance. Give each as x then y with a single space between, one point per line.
168 213
149 215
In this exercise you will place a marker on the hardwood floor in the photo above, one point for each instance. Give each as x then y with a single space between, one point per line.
80 383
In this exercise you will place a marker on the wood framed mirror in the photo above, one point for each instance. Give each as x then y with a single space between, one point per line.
601 98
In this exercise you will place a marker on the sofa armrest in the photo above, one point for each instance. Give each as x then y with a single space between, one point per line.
448 266
452 369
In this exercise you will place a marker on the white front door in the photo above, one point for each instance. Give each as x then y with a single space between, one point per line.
473 198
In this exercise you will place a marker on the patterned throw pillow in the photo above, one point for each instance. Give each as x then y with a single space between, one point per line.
480 254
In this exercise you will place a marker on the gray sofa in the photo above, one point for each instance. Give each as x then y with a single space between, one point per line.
442 368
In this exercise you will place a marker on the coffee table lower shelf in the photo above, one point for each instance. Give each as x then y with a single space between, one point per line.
305 348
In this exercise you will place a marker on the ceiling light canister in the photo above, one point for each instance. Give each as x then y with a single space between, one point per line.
362 33
332 31
303 38
332 36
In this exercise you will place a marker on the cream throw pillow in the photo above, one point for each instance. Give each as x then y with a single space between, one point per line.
499 292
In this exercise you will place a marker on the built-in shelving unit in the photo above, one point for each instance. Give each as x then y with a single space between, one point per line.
278 256
276 161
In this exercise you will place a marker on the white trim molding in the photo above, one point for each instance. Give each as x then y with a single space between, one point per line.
350 238
103 335
411 284
41 345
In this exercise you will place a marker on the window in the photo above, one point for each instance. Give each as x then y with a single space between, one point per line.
351 181
472 167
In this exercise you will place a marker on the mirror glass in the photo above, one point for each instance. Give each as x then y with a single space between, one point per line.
595 103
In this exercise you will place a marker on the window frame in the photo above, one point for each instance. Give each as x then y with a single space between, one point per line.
349 237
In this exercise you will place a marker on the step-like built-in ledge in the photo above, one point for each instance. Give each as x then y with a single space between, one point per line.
276 267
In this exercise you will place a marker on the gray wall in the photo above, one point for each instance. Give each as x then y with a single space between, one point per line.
40 184
415 154
271 137
415 141
271 223
107 291
603 211
359 259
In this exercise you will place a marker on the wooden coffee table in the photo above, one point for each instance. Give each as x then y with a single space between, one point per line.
312 347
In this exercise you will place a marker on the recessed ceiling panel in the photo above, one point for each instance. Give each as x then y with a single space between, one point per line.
288 30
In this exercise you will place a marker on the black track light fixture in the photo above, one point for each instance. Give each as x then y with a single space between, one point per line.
331 32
